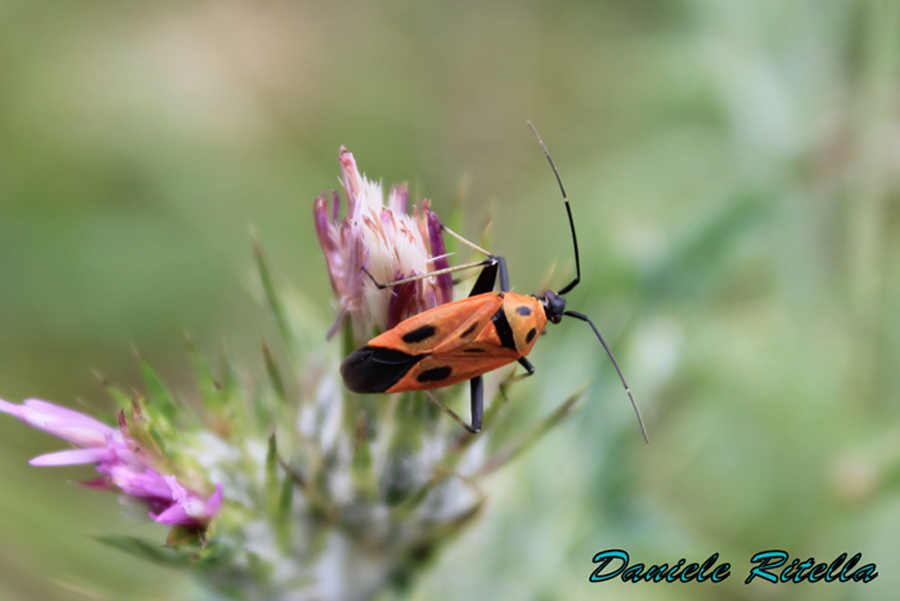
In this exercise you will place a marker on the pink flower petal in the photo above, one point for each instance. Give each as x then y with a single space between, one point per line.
71 457
398 199
62 412
439 251
188 508
65 423
174 515
215 501
336 206
350 178
146 483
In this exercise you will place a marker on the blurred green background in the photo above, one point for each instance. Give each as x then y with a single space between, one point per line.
734 169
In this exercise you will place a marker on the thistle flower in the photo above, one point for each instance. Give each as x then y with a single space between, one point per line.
328 495
386 241
121 467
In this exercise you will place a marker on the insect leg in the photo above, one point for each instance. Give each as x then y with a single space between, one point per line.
529 372
381 286
485 282
468 243
451 413
488 275
486 279
477 398
528 367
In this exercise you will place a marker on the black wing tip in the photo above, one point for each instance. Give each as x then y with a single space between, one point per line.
372 369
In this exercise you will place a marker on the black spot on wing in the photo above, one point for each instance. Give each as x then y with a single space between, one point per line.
469 330
504 332
531 334
523 310
435 374
375 369
474 350
419 334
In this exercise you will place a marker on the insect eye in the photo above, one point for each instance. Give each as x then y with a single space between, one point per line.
554 305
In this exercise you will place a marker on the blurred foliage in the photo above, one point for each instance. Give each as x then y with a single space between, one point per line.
733 169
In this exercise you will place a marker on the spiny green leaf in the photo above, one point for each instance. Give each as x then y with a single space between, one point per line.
272 297
229 380
139 428
274 374
697 264
158 393
466 439
507 454
272 477
407 434
261 569
118 396
156 443
214 554
312 494
442 533
213 399
403 510
149 424
182 537
348 343
363 474
442 471
455 219
487 230
283 524
405 442
203 557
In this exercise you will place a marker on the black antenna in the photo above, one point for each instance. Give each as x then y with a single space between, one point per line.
562 189
637 411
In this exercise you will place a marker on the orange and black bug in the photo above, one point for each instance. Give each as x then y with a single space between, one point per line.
467 338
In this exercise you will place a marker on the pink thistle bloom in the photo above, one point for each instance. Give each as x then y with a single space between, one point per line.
389 243
120 468
189 508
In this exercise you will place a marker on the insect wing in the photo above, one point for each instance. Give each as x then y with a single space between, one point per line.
444 327
441 370
460 341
